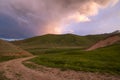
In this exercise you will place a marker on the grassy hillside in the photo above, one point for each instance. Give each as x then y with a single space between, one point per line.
10 51
59 41
105 59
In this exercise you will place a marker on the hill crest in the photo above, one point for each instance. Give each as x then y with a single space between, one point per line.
58 41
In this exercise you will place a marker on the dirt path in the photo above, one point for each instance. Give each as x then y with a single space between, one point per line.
15 70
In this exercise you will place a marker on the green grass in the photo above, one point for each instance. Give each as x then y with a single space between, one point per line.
59 41
38 51
104 60
7 58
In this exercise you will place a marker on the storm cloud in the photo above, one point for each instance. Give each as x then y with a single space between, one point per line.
27 18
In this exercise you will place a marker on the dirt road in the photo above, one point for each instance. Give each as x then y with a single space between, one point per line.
15 70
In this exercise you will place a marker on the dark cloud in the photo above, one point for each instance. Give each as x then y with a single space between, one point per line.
35 17
10 28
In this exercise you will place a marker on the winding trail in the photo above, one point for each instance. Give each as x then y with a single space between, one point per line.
15 70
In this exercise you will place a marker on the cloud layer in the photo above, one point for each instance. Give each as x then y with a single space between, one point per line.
50 16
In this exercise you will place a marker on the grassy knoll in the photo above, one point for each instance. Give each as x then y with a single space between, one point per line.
9 51
59 41
101 60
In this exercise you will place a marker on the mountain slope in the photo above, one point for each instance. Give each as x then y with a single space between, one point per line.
8 49
112 39
57 41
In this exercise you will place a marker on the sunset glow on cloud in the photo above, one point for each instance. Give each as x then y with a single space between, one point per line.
27 18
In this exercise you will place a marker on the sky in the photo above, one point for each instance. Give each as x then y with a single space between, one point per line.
27 18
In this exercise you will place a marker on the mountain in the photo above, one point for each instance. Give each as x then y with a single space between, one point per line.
110 40
8 49
116 32
58 41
